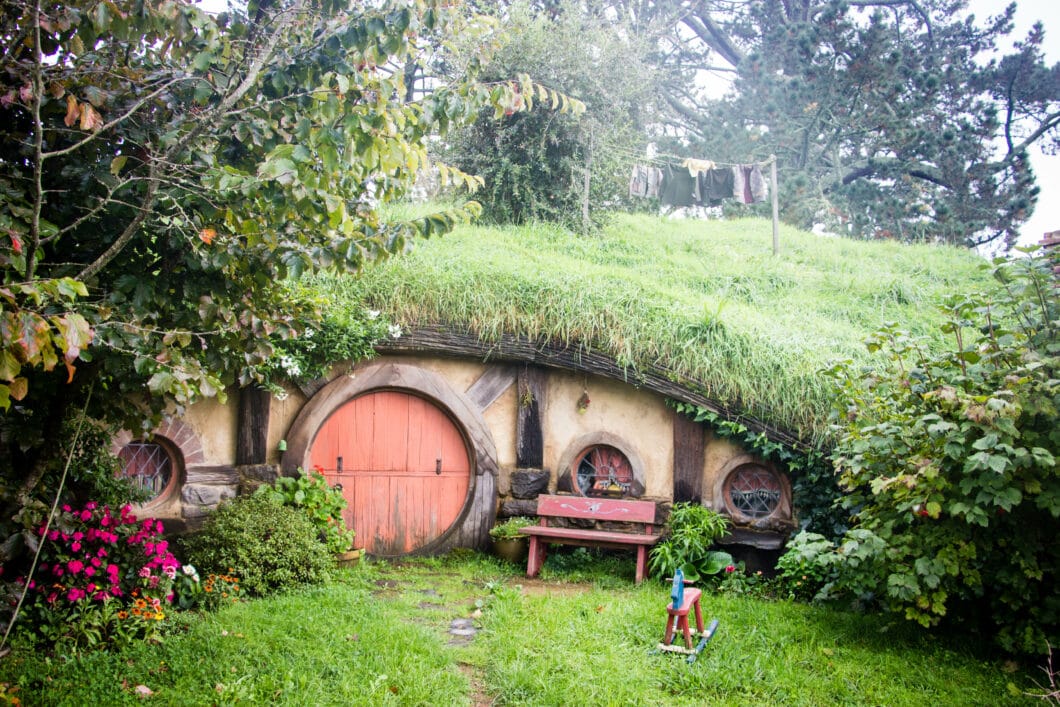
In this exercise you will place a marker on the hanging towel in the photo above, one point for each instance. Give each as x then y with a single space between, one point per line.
655 178
757 184
638 181
696 166
739 185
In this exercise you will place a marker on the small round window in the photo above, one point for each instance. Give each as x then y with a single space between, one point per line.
602 470
150 467
753 492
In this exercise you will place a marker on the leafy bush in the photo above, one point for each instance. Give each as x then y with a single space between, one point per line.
322 504
267 545
690 532
102 578
806 567
950 460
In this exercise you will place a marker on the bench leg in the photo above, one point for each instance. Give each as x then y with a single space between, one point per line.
536 557
642 563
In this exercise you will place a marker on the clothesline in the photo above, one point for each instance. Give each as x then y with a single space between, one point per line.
662 159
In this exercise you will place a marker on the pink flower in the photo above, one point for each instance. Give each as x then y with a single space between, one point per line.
78 535
75 594
105 521
158 526
115 591
144 572
66 508
91 587
52 597
75 546
112 570
730 568
171 572
74 566
153 582
95 562
91 506
86 516
53 535
89 571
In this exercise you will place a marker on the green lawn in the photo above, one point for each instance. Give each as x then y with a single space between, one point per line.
379 635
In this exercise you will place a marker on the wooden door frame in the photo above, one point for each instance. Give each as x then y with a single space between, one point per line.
385 375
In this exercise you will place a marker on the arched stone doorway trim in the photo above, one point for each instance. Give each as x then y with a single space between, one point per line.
471 530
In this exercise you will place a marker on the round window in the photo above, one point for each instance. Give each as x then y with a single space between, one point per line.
150 467
753 491
602 470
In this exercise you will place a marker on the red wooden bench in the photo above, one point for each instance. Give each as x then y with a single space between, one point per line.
600 509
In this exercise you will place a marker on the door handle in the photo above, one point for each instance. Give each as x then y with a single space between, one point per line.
338 465
438 466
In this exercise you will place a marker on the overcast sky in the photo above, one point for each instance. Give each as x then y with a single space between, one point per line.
1047 167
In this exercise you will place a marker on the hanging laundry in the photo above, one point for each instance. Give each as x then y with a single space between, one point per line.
655 178
739 184
679 188
638 181
695 166
715 185
759 187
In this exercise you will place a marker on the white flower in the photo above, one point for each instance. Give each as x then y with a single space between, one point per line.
373 313
308 333
395 331
290 365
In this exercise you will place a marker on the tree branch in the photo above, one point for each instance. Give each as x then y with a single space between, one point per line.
38 149
124 116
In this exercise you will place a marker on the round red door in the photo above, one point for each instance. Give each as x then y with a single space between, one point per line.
403 466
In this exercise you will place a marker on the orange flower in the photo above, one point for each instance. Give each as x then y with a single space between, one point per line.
207 235
123 615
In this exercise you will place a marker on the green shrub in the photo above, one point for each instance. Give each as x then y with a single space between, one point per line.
322 504
806 567
509 529
690 532
268 546
950 460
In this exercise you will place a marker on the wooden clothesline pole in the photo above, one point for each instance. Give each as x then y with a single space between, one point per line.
776 203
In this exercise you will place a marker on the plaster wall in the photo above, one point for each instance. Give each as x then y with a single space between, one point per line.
719 451
215 424
639 419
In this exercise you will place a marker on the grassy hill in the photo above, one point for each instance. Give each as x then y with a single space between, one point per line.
705 300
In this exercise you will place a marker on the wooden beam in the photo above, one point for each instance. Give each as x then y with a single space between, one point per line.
688 459
252 427
529 445
491 385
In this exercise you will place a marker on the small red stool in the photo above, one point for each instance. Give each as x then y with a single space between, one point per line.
677 612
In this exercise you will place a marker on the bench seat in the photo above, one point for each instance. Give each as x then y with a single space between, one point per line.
581 507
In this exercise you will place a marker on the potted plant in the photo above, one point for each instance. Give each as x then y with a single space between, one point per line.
508 542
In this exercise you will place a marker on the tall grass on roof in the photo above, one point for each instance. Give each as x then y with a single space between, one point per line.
704 300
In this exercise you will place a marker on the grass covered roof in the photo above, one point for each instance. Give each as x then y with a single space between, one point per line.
706 301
